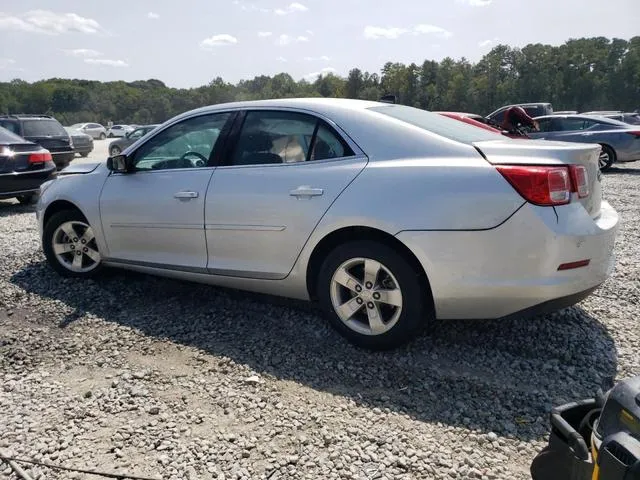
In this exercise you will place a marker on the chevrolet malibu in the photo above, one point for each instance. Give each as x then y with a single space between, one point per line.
388 216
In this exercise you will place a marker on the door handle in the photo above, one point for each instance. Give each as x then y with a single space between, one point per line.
306 191
185 195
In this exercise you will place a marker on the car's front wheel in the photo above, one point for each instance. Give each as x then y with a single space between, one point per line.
372 295
103 136
70 246
607 157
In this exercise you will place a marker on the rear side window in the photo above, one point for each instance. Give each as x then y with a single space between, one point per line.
34 128
438 124
9 136
11 126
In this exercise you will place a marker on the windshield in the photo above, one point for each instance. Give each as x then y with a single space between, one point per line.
45 128
438 124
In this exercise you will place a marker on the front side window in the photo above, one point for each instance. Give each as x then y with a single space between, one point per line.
136 134
545 124
188 144
45 128
571 124
276 137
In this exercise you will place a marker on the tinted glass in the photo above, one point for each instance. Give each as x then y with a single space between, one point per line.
545 125
269 137
328 145
44 128
187 144
438 124
11 126
571 124
137 133
7 136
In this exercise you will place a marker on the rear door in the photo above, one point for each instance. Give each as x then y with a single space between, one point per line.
282 173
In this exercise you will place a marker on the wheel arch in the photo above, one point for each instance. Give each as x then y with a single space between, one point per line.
59 206
354 233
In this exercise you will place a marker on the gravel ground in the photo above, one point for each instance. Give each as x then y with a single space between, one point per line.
154 377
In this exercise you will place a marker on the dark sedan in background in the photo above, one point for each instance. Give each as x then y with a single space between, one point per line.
120 144
82 142
24 166
620 141
44 130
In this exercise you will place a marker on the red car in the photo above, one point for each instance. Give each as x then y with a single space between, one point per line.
479 121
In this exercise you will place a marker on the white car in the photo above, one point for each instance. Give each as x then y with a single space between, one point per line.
95 130
119 130
388 216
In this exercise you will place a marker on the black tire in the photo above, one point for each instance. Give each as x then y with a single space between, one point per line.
113 151
84 154
607 158
28 199
103 136
52 224
415 314
111 135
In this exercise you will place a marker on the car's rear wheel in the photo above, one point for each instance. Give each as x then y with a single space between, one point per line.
102 136
113 151
84 154
70 246
607 157
28 199
372 295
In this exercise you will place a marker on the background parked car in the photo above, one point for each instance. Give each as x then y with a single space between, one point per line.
45 131
24 166
620 141
630 118
95 130
118 131
120 144
532 109
82 142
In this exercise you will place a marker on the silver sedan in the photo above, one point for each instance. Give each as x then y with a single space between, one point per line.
390 217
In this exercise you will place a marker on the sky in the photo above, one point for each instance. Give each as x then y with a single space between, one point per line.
187 43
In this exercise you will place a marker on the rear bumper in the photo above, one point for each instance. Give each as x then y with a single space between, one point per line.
513 269
24 183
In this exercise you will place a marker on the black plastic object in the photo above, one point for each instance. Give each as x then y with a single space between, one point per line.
567 456
621 411
619 457
388 99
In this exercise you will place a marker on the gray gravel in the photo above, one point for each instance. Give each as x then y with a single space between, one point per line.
182 381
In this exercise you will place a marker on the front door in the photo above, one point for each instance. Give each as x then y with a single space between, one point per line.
154 215
281 176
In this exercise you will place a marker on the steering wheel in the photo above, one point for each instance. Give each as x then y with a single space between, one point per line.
201 162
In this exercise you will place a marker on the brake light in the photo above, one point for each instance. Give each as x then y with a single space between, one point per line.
40 158
580 180
540 185
635 134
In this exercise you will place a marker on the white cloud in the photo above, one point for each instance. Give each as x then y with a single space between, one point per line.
49 23
264 34
250 7
281 59
310 32
302 38
83 52
476 3
323 58
292 8
6 63
106 62
314 75
153 16
487 43
426 29
218 41
392 33
284 39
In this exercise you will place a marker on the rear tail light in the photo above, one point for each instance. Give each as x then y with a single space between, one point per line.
40 158
635 134
580 179
540 185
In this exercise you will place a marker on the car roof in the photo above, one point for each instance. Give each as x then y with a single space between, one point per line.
583 116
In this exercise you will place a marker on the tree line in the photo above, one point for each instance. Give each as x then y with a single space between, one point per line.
581 74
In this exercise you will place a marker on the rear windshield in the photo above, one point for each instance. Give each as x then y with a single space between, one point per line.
11 126
438 124
7 136
36 128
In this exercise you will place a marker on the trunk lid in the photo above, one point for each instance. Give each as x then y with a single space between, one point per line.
542 152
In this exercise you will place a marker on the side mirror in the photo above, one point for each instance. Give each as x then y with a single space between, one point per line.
118 164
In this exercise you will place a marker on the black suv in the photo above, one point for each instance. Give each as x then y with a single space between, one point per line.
44 130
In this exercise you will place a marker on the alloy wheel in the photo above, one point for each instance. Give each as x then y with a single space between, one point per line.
366 296
75 247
